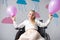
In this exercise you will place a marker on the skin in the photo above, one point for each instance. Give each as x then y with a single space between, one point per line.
31 17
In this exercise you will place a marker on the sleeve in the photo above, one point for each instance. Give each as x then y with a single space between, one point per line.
21 25
40 24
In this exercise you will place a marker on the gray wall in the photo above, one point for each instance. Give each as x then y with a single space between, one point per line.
8 32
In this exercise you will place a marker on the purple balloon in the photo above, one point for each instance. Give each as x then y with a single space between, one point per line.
12 10
54 6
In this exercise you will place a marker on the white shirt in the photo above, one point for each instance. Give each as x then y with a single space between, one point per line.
28 25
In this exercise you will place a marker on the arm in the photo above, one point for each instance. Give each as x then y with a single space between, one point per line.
21 25
46 23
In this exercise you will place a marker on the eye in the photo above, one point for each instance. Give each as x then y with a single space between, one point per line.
33 15
30 14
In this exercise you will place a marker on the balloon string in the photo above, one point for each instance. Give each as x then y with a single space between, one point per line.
24 8
6 3
2 1
36 6
56 22
18 6
21 7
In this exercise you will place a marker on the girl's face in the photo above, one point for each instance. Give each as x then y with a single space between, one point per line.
31 15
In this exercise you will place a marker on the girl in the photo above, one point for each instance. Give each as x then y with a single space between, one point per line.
31 28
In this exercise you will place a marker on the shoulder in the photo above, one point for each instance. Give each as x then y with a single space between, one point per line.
25 21
36 20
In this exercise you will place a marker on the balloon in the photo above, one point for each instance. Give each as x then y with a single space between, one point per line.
37 15
21 2
55 15
36 0
7 20
54 6
46 6
12 10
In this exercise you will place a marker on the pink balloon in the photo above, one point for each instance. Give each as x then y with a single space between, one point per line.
12 10
47 6
7 20
54 6
37 15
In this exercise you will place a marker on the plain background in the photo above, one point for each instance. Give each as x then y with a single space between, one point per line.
8 32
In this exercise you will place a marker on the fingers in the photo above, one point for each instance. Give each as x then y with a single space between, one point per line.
50 16
13 18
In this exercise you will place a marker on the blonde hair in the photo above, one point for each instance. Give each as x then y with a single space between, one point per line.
32 10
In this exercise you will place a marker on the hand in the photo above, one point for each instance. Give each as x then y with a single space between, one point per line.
50 16
13 18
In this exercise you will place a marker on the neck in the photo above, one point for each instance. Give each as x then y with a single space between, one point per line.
32 20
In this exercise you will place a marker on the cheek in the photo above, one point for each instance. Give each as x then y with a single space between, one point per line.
33 16
29 15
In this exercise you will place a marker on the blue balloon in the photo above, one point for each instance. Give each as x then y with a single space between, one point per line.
36 0
55 15
21 2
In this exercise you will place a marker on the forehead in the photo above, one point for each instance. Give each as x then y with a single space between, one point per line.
31 12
